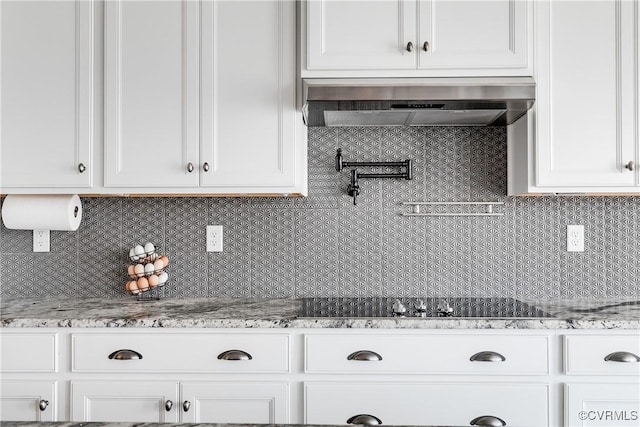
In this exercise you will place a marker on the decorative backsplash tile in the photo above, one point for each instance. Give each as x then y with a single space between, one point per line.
322 245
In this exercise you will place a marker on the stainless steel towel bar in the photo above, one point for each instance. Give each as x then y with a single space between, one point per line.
416 210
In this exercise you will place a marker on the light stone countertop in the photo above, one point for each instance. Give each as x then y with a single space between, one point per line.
614 313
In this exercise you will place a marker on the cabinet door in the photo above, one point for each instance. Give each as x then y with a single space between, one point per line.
28 401
473 34
237 402
587 118
151 93
602 405
124 401
454 404
362 35
47 93
249 136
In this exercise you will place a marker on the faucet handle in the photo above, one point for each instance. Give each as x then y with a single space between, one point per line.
444 309
420 306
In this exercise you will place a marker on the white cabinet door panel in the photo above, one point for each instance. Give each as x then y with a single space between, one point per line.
46 89
22 400
151 93
236 402
124 401
248 94
473 34
361 34
587 94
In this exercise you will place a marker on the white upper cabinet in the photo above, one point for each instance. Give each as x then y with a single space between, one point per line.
251 132
46 88
151 93
584 132
200 98
417 38
587 93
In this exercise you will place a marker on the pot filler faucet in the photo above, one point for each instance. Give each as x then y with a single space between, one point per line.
354 187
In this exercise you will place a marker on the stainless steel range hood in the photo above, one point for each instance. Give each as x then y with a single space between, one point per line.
482 101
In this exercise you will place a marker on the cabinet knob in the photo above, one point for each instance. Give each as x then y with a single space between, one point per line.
81 168
487 356
366 355
487 421
205 167
425 46
410 47
365 419
43 404
186 405
234 355
189 167
622 356
125 354
168 404
629 165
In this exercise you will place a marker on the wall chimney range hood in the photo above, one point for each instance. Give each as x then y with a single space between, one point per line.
481 101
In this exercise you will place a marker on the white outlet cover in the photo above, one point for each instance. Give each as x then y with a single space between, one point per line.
575 238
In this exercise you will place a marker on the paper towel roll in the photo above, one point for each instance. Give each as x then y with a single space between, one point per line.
42 212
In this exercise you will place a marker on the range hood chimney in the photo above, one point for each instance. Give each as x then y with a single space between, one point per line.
482 101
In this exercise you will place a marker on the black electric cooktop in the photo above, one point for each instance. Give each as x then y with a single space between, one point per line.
416 307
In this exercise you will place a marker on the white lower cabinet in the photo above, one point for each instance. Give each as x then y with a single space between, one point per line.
427 403
235 402
124 401
598 404
173 401
29 400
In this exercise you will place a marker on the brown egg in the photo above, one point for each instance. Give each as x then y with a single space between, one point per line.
165 260
153 280
139 270
158 265
143 284
132 287
131 271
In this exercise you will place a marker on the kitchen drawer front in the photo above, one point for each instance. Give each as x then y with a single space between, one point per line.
524 355
426 404
28 352
598 405
585 354
269 353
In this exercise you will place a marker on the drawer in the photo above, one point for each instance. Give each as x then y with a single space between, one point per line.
28 352
598 405
586 354
423 353
426 404
174 352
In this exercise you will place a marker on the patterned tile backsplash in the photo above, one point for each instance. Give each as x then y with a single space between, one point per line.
322 245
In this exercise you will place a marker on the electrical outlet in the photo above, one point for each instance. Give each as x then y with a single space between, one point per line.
214 238
575 238
41 240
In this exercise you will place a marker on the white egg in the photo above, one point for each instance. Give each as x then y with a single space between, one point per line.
148 248
138 250
163 277
132 253
149 268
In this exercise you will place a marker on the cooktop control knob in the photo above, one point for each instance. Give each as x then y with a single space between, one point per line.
398 309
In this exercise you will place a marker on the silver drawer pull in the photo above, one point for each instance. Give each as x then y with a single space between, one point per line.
487 356
186 405
488 421
125 354
622 356
43 404
365 419
81 167
168 405
366 355
234 355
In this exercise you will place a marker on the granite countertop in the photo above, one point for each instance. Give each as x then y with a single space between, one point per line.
616 313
